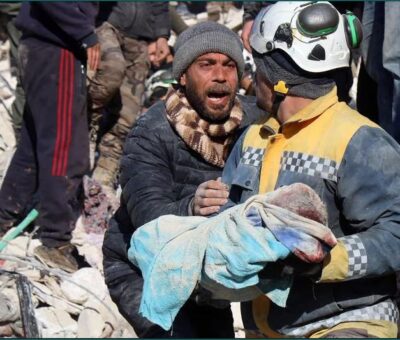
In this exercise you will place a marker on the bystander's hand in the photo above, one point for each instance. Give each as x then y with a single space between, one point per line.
209 197
162 51
93 57
246 34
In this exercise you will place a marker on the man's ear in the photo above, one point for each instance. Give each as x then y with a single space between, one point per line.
182 80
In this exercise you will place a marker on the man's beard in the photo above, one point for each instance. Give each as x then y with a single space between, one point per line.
198 104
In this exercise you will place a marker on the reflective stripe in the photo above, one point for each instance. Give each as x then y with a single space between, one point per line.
385 311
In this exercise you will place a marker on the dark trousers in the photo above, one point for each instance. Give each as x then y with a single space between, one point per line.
53 153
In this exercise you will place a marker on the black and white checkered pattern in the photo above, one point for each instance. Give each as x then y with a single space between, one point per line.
309 165
252 156
386 311
357 254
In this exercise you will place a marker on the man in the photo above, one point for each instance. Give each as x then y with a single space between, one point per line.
381 53
52 155
350 162
172 160
123 68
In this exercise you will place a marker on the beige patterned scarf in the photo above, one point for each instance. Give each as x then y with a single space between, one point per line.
211 141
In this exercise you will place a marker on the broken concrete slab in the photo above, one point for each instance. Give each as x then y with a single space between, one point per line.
84 283
90 324
9 305
55 323
47 296
21 245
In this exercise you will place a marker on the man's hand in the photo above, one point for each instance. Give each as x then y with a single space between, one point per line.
209 197
162 51
246 34
93 57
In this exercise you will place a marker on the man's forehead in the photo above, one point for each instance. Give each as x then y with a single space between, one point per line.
213 56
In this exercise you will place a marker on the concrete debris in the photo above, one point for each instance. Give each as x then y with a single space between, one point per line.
124 330
47 296
17 328
7 142
76 288
7 138
64 309
66 305
21 246
88 245
55 323
106 308
9 305
6 331
90 324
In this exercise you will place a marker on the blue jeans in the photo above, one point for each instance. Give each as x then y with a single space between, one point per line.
381 54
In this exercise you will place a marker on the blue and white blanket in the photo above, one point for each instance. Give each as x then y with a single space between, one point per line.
223 253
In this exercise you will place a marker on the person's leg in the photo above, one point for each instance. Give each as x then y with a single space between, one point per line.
132 89
107 80
20 182
54 80
62 147
366 95
372 51
391 61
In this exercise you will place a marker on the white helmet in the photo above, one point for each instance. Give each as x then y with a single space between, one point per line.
156 86
313 34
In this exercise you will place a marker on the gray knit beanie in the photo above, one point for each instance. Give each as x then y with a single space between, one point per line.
206 37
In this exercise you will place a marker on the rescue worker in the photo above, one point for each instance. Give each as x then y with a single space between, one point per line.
350 162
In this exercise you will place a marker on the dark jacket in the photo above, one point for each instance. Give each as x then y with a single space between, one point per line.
360 191
141 20
159 176
69 25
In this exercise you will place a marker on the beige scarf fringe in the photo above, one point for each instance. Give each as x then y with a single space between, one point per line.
211 141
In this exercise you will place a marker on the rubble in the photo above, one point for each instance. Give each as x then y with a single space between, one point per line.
7 138
55 323
9 305
65 305
75 289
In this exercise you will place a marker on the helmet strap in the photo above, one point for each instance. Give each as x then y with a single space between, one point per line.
281 90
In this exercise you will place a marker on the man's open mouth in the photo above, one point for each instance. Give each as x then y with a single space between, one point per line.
219 98
217 95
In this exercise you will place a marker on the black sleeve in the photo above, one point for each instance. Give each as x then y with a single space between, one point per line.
124 281
162 25
146 175
145 178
